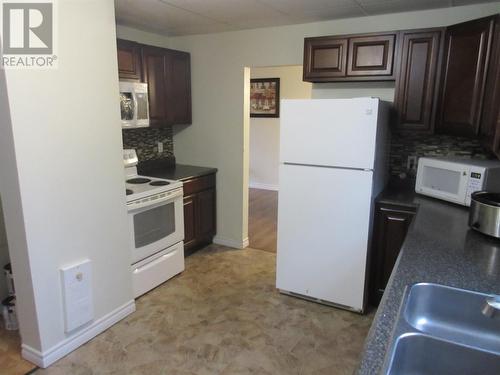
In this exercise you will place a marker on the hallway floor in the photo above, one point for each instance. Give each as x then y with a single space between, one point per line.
263 219
224 316
11 362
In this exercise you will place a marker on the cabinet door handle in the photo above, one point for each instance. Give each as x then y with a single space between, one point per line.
396 218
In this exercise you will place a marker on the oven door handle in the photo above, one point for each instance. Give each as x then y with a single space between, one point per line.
151 203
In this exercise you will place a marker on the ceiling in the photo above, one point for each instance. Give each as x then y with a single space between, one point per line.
184 17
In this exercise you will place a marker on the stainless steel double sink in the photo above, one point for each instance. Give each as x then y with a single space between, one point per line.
442 330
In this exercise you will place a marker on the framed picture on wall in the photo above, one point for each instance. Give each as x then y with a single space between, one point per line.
265 97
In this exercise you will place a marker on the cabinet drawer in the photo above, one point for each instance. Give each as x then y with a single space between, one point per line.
157 269
198 184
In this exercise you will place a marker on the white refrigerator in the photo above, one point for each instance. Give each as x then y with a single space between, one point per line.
333 162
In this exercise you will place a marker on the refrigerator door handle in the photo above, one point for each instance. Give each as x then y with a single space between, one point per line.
328 166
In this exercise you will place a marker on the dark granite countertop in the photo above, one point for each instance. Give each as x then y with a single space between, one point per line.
172 171
439 248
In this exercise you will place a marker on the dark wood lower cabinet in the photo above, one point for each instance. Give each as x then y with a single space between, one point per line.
391 226
199 213
206 218
189 221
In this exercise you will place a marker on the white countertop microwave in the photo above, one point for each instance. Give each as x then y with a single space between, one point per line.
134 104
454 180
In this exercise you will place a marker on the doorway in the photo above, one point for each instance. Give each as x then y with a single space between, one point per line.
264 158
11 361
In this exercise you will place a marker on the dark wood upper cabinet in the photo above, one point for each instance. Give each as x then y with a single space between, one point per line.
179 87
466 57
325 58
168 75
371 55
155 75
490 118
129 60
416 84
367 57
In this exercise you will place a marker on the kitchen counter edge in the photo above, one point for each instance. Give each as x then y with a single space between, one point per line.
180 172
439 248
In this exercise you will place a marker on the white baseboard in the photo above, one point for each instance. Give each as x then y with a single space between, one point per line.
231 243
65 347
258 185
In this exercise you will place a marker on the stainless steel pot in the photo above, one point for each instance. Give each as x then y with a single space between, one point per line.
484 215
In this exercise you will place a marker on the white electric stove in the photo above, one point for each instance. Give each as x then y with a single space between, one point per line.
138 186
156 222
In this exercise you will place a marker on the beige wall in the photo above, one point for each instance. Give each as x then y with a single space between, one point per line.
265 132
4 254
3 235
217 135
61 177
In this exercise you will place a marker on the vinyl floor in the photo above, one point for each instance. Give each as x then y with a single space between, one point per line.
223 315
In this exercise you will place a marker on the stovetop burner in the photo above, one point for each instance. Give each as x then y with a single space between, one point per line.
138 180
159 183
129 192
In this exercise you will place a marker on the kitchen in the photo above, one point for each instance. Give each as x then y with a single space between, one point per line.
214 138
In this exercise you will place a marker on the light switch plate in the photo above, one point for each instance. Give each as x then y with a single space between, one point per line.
77 295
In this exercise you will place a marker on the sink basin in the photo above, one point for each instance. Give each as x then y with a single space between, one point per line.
419 354
452 314
441 330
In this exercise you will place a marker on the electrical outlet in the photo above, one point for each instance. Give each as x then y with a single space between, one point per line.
411 163
160 147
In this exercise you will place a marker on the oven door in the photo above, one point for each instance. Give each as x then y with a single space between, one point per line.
155 222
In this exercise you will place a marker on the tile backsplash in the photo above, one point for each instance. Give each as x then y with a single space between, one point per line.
408 144
145 142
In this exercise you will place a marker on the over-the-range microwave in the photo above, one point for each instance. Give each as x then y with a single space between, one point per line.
134 104
454 180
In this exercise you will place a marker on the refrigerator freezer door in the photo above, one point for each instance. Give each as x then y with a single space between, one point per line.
323 226
329 132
